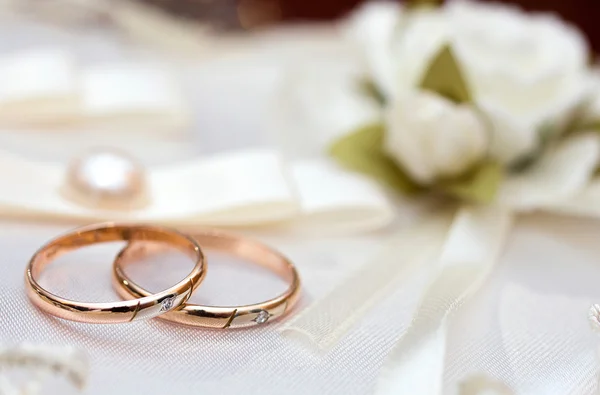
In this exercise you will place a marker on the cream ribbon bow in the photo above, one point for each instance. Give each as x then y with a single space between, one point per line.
242 188
463 252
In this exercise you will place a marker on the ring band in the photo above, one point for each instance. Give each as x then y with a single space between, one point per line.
218 317
148 306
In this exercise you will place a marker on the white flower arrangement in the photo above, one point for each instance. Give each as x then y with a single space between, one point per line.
471 95
477 102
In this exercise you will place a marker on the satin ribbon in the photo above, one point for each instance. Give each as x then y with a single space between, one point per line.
327 320
244 188
416 364
48 87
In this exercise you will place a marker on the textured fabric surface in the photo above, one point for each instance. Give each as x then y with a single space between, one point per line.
528 327
328 319
470 251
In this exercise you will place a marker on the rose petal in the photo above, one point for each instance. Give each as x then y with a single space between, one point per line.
316 105
510 139
372 27
559 175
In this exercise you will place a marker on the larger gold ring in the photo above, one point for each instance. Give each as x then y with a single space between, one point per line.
148 306
211 316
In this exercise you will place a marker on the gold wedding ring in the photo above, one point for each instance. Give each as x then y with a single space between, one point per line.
170 304
213 316
144 307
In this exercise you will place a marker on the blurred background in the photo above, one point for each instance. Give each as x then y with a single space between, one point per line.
255 13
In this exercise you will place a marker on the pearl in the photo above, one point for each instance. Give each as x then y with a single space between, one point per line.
106 178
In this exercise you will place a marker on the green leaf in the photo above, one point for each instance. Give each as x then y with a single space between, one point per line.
546 136
368 88
445 77
362 151
589 126
479 186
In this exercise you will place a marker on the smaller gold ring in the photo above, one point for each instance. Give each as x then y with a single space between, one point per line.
144 307
212 316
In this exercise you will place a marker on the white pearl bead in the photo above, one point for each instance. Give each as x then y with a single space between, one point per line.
106 179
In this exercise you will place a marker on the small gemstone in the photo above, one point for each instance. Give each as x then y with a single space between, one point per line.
262 317
167 303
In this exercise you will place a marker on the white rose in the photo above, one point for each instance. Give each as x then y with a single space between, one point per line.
372 28
524 70
316 104
431 137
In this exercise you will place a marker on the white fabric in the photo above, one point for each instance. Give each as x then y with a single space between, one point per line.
49 86
47 74
331 317
38 85
132 96
520 311
545 256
